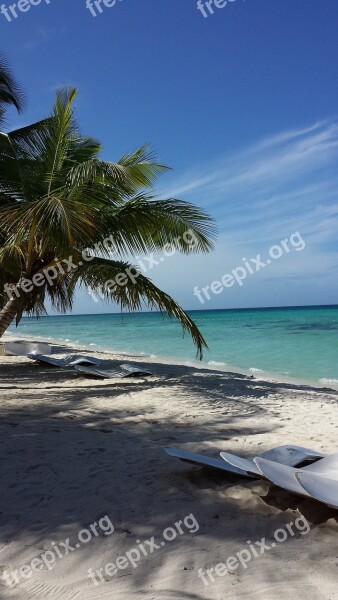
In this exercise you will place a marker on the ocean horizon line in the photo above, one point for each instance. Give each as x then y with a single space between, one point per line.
190 310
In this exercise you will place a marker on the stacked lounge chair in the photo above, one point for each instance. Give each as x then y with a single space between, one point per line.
299 470
65 363
22 348
89 366
125 370
318 478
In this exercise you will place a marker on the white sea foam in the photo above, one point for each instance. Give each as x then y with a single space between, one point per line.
326 380
215 363
256 370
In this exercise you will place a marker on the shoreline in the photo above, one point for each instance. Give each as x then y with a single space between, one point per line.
258 374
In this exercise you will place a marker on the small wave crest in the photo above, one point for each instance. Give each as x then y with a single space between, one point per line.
215 363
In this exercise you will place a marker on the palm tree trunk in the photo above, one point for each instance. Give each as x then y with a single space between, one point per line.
7 315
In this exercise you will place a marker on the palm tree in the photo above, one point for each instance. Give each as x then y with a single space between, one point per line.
10 93
57 199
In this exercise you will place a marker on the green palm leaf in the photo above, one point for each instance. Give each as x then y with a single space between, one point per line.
137 292
10 93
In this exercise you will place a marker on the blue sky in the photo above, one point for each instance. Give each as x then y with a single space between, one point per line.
242 104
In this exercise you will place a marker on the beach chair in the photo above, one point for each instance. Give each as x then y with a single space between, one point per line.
22 348
65 363
125 370
289 455
320 486
294 455
204 461
291 478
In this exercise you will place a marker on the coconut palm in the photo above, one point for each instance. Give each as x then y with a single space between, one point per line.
58 199
10 93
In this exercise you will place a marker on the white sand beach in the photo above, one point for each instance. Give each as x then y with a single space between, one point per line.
76 449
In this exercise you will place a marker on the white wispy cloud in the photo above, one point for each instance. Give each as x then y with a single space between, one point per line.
279 181
260 196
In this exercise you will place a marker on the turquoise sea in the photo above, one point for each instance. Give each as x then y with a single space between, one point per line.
293 342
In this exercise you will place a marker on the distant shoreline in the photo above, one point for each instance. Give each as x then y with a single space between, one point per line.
292 344
211 366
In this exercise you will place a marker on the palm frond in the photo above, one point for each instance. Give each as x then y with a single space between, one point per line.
10 92
137 292
61 295
142 166
145 224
